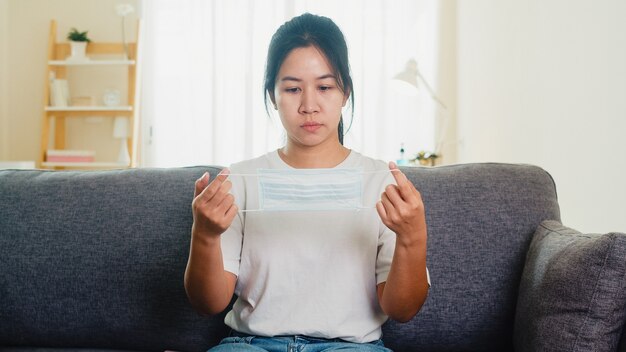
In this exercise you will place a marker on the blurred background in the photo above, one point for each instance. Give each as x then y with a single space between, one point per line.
540 82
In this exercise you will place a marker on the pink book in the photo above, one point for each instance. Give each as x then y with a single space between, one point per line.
69 159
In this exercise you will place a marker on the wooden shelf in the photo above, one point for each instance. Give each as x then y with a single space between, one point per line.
59 64
89 108
88 165
91 62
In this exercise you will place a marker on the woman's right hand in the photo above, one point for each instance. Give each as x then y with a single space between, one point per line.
213 206
209 287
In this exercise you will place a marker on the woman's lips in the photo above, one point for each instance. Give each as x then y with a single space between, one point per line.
311 126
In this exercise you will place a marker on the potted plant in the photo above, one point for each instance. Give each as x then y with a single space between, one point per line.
78 42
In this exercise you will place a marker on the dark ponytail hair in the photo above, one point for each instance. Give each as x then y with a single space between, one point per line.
304 31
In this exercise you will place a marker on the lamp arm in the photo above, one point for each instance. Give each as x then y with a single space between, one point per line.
442 131
431 92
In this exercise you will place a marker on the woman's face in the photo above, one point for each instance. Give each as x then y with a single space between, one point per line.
308 98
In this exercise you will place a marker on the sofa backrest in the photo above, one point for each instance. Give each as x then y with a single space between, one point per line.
481 218
96 258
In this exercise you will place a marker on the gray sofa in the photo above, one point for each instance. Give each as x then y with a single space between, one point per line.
94 260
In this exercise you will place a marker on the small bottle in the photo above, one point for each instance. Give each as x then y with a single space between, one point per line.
402 160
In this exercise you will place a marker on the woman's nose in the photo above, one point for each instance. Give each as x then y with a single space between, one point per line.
308 103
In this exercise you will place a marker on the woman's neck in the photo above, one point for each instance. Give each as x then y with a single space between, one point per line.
321 156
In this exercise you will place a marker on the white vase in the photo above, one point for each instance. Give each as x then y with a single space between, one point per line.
124 156
78 51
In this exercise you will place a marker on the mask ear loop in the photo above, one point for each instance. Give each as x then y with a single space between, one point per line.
249 210
245 175
363 172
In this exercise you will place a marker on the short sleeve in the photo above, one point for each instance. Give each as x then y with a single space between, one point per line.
231 242
386 248
232 238
386 241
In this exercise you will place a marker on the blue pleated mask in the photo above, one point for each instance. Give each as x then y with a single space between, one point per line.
310 189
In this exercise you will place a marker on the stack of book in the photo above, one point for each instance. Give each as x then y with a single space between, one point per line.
70 156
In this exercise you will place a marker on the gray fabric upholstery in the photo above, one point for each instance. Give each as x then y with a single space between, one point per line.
480 218
95 260
573 291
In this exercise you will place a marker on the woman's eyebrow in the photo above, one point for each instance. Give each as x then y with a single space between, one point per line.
291 78
328 75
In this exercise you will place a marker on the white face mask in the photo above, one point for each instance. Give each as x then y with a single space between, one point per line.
309 189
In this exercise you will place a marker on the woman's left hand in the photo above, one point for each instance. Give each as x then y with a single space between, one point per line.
402 210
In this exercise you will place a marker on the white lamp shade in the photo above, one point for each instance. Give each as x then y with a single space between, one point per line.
403 87
124 9
120 127
405 82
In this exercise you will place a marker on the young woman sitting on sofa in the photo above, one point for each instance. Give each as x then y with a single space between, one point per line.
294 233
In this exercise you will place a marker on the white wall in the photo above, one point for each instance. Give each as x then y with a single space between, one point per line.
25 24
447 81
544 82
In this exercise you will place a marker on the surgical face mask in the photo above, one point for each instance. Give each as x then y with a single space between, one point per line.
309 189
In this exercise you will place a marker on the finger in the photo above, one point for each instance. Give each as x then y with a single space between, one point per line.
224 202
201 184
210 191
231 213
398 175
380 208
221 195
221 177
393 194
405 185
390 210
227 209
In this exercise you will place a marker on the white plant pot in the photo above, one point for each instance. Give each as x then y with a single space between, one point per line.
78 51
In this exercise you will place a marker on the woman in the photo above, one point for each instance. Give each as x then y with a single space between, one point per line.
324 272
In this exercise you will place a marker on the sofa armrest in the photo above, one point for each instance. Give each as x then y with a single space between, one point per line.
572 296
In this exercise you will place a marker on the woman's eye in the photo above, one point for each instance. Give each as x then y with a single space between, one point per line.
292 90
325 88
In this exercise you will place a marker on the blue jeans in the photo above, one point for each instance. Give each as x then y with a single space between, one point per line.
242 342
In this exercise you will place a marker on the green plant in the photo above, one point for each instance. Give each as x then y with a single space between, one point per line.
76 36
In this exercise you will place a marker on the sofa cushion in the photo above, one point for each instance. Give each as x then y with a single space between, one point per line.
96 260
481 218
573 291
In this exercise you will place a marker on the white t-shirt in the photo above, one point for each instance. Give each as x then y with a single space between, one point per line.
310 273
